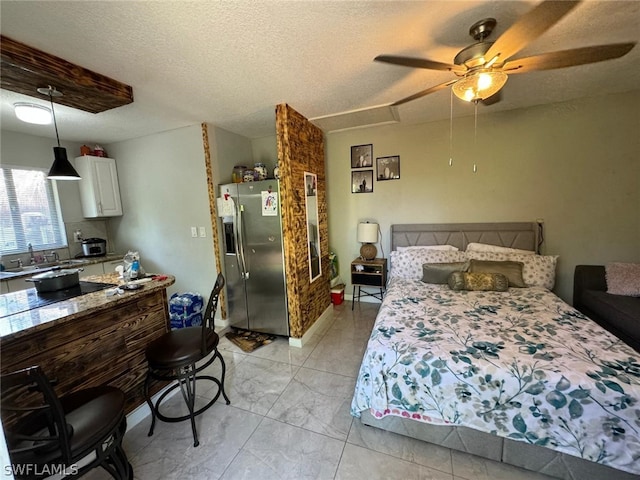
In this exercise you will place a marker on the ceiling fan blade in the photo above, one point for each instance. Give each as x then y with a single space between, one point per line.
420 63
567 58
529 27
424 92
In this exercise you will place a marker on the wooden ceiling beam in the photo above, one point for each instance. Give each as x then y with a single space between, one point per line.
24 69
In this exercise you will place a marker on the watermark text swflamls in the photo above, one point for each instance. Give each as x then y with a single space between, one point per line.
28 469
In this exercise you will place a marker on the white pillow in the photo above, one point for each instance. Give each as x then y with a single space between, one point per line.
449 248
538 270
483 247
408 263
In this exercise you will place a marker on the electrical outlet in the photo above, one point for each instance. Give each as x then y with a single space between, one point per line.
77 236
203 232
194 232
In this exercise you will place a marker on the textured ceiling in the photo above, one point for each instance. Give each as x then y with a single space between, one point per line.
230 63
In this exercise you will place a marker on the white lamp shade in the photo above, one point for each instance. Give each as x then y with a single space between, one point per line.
32 113
368 232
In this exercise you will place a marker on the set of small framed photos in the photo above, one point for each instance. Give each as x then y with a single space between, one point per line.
387 168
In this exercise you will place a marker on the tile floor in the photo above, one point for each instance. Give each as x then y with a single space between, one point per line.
289 419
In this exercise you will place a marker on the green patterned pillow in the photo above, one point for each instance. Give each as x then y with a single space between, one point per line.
494 282
511 270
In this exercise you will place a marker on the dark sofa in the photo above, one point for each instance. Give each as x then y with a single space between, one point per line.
617 313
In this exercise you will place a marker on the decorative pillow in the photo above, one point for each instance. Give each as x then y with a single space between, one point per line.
623 279
538 270
429 247
484 247
439 272
511 270
408 263
495 282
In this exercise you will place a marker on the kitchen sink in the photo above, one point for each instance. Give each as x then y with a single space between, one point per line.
29 268
23 271
40 268
71 262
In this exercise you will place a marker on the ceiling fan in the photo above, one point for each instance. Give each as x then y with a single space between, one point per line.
482 68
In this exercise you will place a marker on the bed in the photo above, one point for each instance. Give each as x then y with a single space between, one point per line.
516 376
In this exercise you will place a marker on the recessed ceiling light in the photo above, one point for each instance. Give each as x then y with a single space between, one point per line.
32 113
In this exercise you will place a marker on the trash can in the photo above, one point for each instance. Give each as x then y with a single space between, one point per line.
185 310
337 294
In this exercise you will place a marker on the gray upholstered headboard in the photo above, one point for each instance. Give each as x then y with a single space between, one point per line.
522 235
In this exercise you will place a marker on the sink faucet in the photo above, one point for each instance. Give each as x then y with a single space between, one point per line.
53 254
32 259
18 261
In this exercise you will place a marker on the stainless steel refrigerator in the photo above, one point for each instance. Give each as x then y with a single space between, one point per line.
253 256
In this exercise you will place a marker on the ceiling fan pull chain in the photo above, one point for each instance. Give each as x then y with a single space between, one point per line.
475 132
450 127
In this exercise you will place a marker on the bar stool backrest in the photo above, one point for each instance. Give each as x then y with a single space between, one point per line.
35 425
210 313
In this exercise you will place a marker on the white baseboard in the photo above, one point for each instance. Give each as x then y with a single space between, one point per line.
142 411
220 323
299 342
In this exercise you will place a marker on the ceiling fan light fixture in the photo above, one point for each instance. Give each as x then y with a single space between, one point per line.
32 113
479 84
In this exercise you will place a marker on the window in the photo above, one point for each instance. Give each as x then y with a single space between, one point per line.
29 211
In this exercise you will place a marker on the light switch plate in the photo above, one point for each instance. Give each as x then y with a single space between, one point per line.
194 232
203 232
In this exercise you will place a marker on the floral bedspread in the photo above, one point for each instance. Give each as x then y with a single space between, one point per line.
520 364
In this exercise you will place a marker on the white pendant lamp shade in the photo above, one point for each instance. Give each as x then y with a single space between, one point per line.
32 113
368 235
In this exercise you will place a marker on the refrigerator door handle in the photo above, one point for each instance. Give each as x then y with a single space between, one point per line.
240 249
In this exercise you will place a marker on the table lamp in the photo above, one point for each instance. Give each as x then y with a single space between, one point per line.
368 235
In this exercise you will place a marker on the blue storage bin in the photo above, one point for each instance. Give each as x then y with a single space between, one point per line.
186 310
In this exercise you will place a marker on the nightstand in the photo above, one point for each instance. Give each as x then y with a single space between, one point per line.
368 273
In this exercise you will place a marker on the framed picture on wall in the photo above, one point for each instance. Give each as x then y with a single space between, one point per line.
362 156
362 181
388 168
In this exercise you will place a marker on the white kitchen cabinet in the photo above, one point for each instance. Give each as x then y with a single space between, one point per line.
99 189
17 284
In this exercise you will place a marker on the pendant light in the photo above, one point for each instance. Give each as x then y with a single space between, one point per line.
61 168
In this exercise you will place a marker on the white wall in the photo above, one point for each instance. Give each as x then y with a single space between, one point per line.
265 150
227 150
164 193
24 150
31 151
573 164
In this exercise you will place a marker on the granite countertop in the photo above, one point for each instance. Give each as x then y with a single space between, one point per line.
26 322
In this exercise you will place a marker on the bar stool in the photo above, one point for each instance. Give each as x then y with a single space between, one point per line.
173 357
46 434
